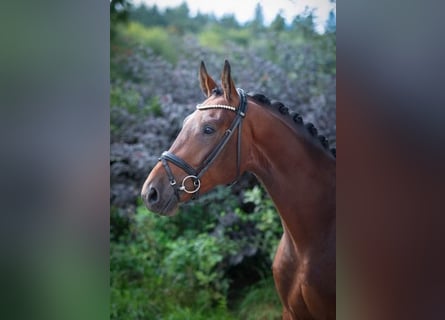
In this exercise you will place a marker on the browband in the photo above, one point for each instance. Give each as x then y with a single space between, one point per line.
215 106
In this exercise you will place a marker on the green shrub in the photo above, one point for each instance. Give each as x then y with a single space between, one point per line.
176 267
166 267
154 106
261 302
158 39
217 37
195 265
125 98
266 219
131 100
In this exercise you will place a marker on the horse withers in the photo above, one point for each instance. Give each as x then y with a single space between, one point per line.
232 132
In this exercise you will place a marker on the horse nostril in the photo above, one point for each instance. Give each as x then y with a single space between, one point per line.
153 196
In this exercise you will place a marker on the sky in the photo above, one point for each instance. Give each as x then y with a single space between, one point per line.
244 9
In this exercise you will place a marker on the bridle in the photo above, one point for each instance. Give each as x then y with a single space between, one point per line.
196 174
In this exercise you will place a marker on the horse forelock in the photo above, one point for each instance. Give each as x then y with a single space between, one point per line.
217 91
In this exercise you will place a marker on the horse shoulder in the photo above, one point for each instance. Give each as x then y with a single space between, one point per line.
319 286
306 285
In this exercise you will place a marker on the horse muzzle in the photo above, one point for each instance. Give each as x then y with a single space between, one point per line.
159 198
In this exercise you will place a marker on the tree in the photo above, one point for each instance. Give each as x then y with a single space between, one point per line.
148 16
258 21
119 10
229 21
331 25
178 17
278 24
200 20
304 24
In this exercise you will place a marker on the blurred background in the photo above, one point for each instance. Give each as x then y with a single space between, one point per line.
213 260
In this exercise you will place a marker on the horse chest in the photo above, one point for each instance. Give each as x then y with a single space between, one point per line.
297 286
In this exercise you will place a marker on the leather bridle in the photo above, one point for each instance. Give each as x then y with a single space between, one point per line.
195 174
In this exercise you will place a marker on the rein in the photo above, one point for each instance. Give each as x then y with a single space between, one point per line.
195 174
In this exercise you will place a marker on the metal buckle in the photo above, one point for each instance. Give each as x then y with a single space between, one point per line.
196 183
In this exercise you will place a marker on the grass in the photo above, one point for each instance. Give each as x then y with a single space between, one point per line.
261 302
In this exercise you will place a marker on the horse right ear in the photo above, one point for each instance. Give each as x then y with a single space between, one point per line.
206 82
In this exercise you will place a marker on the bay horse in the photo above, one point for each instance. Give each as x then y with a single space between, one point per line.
232 132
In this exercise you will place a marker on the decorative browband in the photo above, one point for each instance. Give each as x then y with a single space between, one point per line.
215 106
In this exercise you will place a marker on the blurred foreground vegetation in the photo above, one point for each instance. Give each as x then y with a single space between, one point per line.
213 260
191 266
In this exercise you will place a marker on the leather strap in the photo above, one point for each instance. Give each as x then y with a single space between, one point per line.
168 156
197 174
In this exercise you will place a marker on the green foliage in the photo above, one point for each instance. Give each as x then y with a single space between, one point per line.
331 24
229 21
278 24
217 37
155 107
266 220
175 267
196 264
304 24
133 102
148 16
211 38
119 11
196 314
258 21
158 39
176 19
125 98
118 224
261 302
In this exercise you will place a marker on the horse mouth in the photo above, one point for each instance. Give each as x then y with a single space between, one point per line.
170 208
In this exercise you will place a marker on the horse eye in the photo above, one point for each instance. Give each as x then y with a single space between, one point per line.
208 130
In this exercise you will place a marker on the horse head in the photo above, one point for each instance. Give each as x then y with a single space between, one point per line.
207 150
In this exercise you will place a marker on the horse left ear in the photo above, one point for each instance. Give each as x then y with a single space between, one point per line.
206 81
228 85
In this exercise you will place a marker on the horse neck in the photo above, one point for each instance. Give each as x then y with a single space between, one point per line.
298 175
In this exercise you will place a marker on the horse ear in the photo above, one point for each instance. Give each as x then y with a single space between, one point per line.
227 83
206 82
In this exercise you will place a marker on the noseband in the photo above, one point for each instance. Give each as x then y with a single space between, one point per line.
195 174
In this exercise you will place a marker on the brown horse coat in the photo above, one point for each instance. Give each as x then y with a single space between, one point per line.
293 165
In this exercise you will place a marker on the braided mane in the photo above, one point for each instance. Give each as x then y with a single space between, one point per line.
297 119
